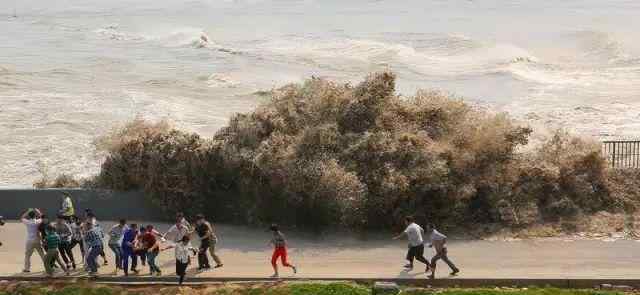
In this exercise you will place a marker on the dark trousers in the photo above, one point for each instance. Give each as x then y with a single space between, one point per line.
442 255
203 260
92 257
151 259
73 244
143 258
127 252
66 253
181 270
417 253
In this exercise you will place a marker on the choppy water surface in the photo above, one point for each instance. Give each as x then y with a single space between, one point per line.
72 69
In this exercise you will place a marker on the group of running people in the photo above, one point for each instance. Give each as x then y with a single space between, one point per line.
54 241
416 239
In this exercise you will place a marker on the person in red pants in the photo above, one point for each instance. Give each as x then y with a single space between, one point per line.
280 251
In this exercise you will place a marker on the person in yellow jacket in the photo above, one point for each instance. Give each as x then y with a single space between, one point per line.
66 209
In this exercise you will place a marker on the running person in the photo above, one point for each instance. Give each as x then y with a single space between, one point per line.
439 241
279 243
64 231
128 243
115 240
76 237
183 251
204 233
52 242
415 239
94 243
139 251
180 229
151 246
32 220
212 248
91 217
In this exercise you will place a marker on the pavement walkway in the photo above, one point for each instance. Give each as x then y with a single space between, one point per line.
246 254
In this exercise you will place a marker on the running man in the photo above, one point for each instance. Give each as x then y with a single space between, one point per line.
214 242
178 230
128 243
94 243
115 240
211 237
76 237
91 217
151 246
279 243
180 217
31 219
416 243
52 242
64 231
204 233
439 241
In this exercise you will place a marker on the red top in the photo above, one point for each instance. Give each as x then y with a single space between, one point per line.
148 240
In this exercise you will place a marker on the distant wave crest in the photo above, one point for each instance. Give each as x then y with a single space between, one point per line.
445 58
180 37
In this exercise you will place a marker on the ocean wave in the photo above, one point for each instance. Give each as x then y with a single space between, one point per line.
113 32
468 57
180 37
220 80
556 74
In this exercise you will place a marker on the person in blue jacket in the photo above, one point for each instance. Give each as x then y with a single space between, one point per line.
128 240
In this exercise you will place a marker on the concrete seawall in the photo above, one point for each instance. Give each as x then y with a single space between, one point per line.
108 205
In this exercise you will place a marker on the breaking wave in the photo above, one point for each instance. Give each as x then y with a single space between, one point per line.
181 37
447 57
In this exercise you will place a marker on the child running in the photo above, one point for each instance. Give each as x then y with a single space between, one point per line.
183 251
439 241
280 251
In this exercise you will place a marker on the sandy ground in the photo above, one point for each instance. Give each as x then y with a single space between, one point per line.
245 253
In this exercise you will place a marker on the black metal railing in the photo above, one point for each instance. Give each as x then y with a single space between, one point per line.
622 153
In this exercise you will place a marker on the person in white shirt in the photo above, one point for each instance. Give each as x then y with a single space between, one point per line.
178 230
184 251
31 219
438 241
416 243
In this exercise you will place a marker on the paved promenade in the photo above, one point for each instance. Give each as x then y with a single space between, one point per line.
246 255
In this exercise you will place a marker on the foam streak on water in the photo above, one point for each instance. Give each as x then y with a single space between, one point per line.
71 70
